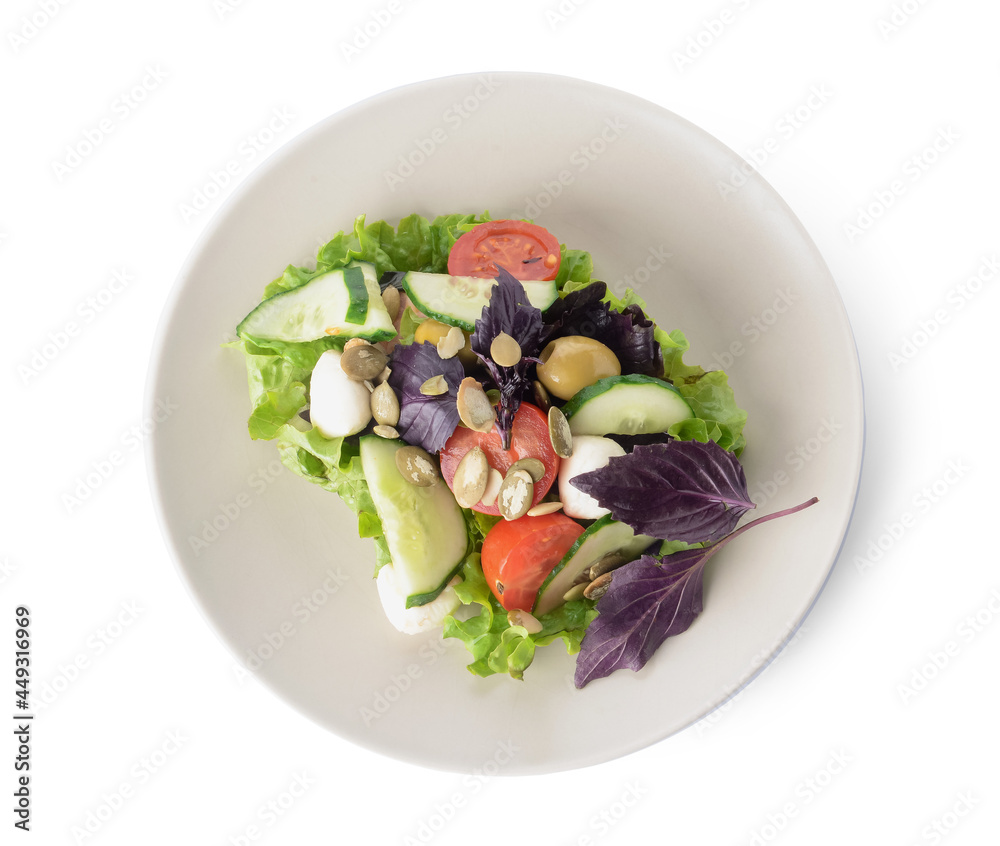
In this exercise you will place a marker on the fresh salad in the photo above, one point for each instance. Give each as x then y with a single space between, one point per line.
529 452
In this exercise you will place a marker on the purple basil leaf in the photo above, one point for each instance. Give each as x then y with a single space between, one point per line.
628 334
427 421
680 490
509 311
646 603
630 442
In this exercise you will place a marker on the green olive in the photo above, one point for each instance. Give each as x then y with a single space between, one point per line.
572 363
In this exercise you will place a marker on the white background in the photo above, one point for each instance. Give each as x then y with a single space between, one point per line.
876 725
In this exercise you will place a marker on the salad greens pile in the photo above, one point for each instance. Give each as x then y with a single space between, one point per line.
650 598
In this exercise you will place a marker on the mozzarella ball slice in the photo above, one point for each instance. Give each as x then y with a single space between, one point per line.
590 452
421 618
338 405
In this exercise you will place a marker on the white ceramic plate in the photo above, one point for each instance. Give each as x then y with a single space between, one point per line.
275 563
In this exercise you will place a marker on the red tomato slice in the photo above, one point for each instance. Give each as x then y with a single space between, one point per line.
529 439
519 554
525 250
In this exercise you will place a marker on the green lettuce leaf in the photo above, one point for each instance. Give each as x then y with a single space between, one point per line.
277 389
576 267
717 416
494 644
415 244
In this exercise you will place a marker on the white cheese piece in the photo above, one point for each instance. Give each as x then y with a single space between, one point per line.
420 618
590 452
338 405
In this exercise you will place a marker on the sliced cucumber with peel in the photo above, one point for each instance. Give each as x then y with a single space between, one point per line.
346 302
626 405
603 537
460 300
424 527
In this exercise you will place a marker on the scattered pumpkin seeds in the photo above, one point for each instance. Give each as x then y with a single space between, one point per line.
474 406
575 592
434 387
505 351
559 433
416 466
385 405
516 494
363 362
519 617
471 476
387 432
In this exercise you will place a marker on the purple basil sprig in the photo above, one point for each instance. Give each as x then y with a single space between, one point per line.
679 490
629 333
425 420
509 311
648 602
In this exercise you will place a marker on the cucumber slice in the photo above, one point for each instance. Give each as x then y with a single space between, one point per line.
626 405
603 537
424 527
357 294
460 300
346 302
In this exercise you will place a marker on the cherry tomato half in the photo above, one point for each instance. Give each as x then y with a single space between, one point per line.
519 554
525 250
529 439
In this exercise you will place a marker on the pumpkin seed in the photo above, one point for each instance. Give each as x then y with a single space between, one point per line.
544 508
416 466
363 362
541 396
471 476
559 433
474 406
434 387
519 617
390 297
385 405
505 351
611 561
533 466
451 343
597 588
516 494
387 432
575 592
492 488
355 342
